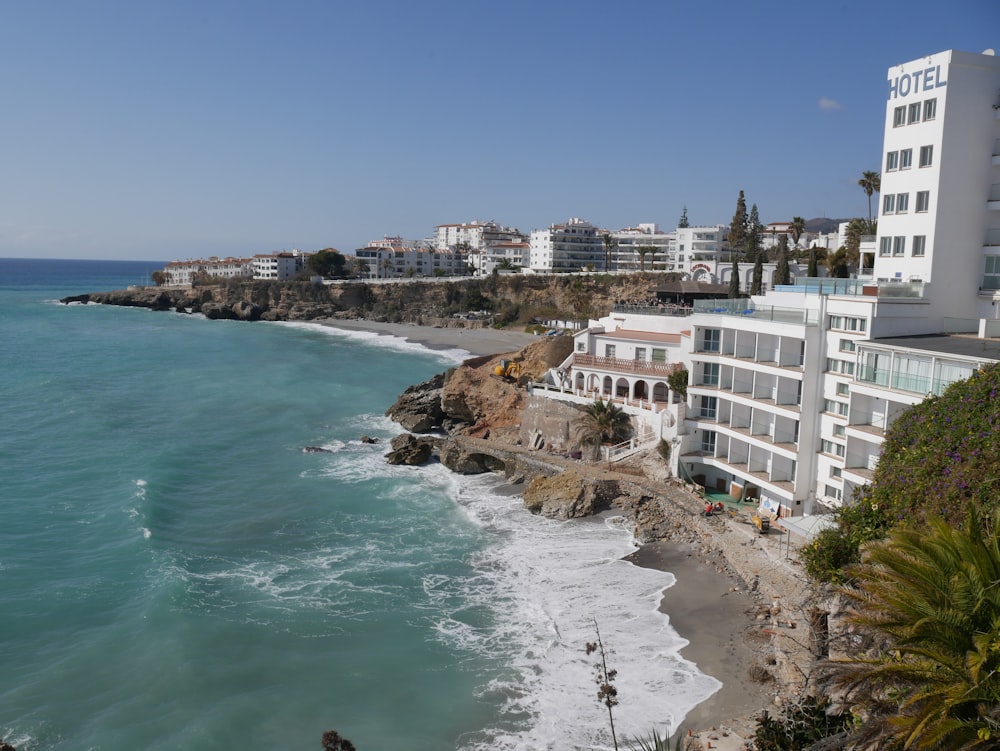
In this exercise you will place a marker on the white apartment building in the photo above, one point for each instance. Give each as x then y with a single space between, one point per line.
279 267
508 256
476 235
790 393
392 258
182 273
696 250
642 248
573 246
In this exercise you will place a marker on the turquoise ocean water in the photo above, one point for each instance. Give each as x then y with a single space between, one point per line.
177 573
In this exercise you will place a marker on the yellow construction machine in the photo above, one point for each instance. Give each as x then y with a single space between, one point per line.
508 370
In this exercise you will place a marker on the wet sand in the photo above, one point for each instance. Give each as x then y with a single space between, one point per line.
704 609
484 341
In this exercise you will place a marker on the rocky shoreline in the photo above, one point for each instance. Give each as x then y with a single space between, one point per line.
750 624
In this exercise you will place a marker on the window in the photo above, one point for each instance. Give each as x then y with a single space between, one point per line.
659 355
640 353
848 345
711 340
930 109
834 493
829 447
914 116
843 389
926 156
992 278
906 158
709 407
836 472
919 244
834 365
885 246
899 117
839 430
834 407
848 323
609 350
923 200
891 161
899 246
708 441
711 374
889 203
902 203
581 346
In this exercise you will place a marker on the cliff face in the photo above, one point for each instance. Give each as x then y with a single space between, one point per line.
508 299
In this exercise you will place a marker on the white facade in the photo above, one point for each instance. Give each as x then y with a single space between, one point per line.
939 219
279 267
642 248
573 246
695 251
474 236
392 259
182 273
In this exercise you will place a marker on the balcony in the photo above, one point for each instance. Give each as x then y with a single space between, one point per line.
616 365
993 202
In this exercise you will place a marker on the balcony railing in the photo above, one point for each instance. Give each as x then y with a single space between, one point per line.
616 365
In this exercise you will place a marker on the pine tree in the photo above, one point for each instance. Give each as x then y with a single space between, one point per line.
755 231
683 222
734 281
738 227
756 286
813 270
782 274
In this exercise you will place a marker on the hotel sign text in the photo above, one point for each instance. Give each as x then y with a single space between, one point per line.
927 79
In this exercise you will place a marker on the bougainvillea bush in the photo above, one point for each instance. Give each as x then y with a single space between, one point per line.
937 458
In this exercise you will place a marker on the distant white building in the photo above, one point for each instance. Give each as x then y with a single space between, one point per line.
183 273
474 236
279 267
573 246
392 258
642 248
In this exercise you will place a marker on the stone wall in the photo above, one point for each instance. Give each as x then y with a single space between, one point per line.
547 422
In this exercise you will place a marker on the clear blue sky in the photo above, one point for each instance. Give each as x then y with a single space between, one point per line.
183 129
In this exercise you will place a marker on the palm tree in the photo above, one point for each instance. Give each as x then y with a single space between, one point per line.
797 227
643 251
870 182
362 268
610 246
602 422
931 597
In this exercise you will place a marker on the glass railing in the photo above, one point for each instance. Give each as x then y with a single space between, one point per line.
746 309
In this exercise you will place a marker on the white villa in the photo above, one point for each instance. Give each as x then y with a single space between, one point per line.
789 394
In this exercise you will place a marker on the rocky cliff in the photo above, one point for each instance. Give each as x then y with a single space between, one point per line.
505 299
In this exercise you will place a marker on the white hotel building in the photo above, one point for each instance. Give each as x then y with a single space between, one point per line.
790 393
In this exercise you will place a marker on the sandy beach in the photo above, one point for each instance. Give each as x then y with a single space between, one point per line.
481 341
709 608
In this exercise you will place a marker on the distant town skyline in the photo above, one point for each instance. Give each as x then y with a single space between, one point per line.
189 130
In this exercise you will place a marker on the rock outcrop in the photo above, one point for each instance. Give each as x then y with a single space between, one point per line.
569 495
419 408
412 450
